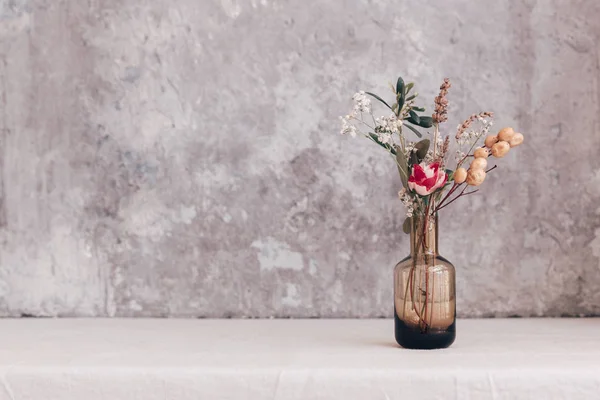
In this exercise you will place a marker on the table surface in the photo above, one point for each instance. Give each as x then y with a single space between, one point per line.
294 359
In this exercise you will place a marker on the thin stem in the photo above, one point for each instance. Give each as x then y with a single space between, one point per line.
426 258
387 147
452 189
405 298
412 290
460 195
432 258
426 272
432 302
484 130
412 279
425 223
470 150
402 143
363 122
425 294
436 132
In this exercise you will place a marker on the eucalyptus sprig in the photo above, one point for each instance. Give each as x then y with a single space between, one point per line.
404 107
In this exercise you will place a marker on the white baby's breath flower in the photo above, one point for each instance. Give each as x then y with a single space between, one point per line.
408 201
362 103
347 127
440 141
409 148
384 137
428 159
387 124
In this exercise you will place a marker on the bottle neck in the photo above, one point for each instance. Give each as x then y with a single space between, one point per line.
424 235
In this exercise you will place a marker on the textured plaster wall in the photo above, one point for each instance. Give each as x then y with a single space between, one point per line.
182 158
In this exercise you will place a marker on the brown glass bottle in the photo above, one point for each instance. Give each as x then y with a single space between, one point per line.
424 292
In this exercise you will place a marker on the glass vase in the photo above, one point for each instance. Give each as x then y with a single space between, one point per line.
424 291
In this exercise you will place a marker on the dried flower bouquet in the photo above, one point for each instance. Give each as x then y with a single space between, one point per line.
431 179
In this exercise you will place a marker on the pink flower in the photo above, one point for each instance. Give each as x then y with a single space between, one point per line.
426 179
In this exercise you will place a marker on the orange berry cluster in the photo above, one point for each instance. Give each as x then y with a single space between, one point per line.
498 145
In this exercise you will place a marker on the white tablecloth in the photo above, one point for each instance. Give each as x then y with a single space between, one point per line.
90 359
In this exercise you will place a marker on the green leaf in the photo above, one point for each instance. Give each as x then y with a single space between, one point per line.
414 96
406 225
419 109
414 130
414 159
387 147
402 167
408 88
422 148
400 95
379 98
425 122
414 118
394 107
400 86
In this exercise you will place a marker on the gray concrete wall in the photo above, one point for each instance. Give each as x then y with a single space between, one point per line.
182 158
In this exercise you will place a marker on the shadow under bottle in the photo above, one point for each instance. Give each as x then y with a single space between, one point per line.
424 292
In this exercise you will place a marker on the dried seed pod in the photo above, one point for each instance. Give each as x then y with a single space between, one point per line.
481 152
460 175
479 163
500 149
490 141
475 177
506 134
516 140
